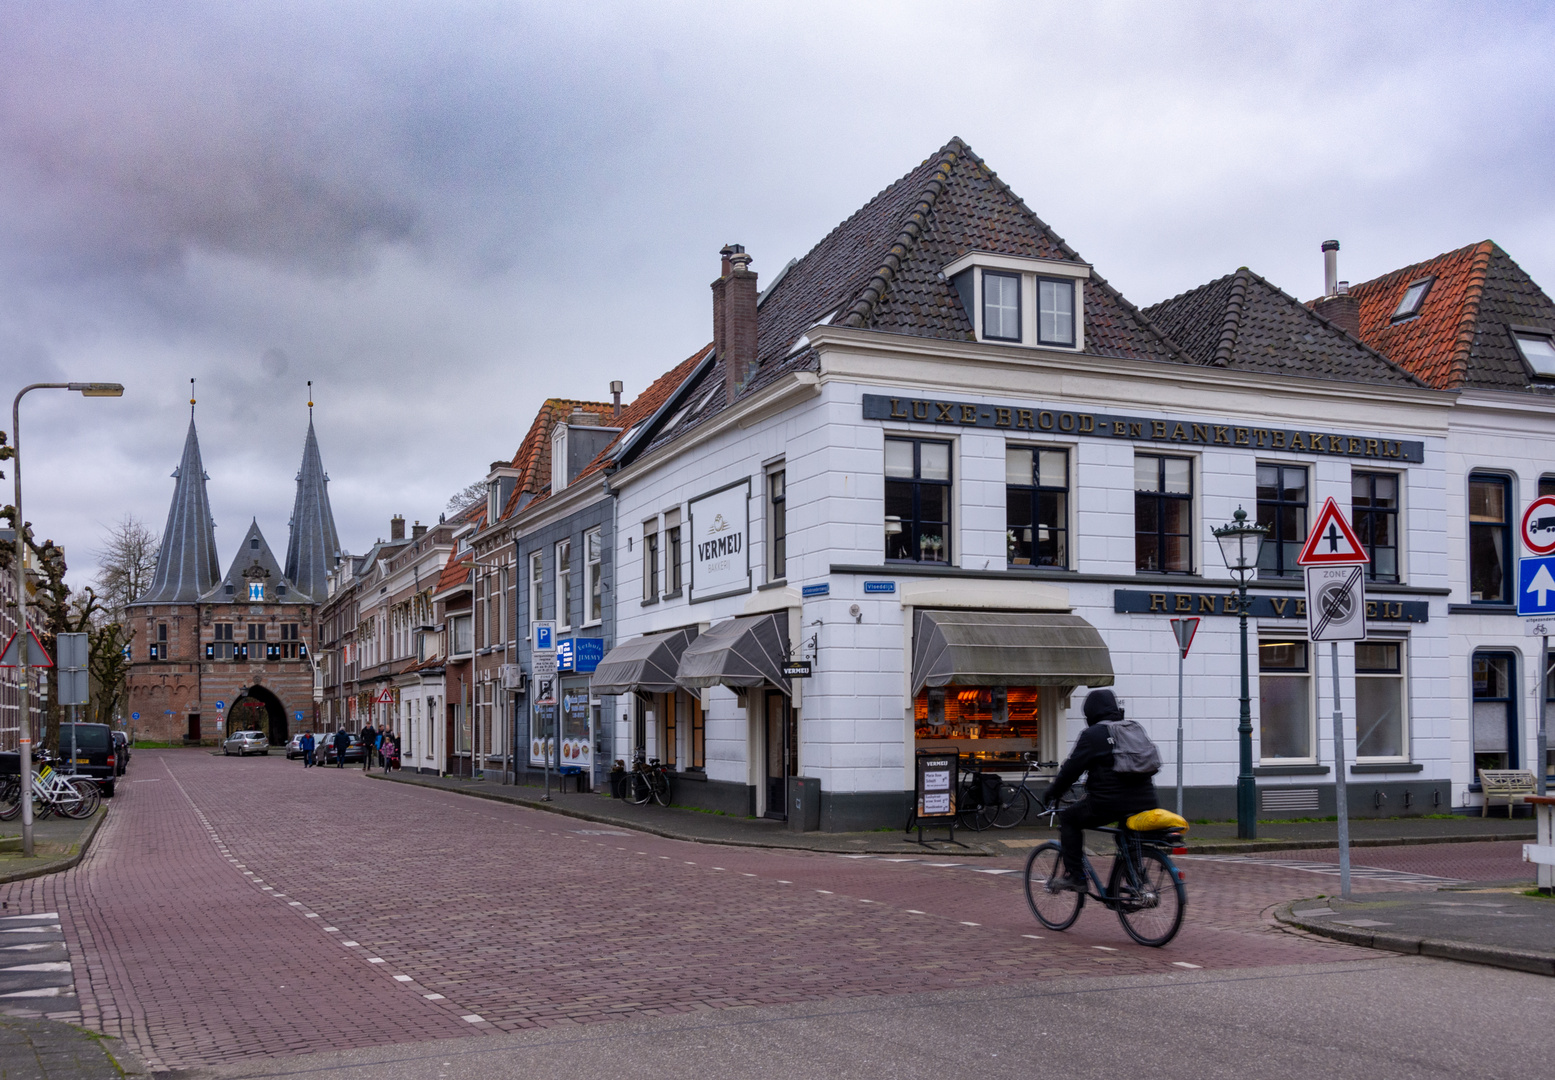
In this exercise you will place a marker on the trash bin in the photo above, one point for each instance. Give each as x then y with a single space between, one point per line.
804 803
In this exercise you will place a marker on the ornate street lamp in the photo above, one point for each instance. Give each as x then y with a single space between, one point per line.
1239 546
19 560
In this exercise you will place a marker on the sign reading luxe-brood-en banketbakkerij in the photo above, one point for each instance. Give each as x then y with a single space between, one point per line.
720 543
1139 428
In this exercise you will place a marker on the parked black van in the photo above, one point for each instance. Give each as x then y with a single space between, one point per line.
95 755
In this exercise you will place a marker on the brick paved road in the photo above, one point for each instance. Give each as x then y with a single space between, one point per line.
235 907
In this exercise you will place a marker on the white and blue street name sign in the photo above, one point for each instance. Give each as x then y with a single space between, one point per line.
822 589
1536 586
879 587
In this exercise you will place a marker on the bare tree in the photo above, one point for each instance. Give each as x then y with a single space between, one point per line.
470 493
128 562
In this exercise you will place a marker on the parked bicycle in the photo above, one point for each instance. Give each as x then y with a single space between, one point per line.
52 792
1003 807
1145 887
647 780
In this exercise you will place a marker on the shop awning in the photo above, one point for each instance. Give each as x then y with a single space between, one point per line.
745 652
644 664
1007 648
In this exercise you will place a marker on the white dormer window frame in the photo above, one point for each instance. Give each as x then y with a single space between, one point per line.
559 458
1039 316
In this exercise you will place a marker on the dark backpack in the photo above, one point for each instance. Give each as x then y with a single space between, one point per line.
1133 753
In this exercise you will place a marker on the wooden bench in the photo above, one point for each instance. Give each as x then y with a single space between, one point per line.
1513 785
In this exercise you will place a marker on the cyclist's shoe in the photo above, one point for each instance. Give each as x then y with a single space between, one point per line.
1065 883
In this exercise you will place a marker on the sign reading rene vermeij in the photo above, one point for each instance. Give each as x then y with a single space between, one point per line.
720 542
1138 428
1539 526
936 794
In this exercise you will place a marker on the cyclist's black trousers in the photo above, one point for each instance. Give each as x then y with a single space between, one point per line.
1088 813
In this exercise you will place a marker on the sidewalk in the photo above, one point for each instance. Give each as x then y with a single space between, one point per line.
48 1050
58 844
1495 927
1219 838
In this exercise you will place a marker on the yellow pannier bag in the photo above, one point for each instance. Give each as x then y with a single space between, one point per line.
1152 820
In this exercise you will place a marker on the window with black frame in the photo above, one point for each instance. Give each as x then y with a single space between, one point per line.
917 500
1374 510
777 495
1490 539
1036 498
1163 514
1282 509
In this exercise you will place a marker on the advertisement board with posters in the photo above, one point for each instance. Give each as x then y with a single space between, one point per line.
541 734
577 730
720 543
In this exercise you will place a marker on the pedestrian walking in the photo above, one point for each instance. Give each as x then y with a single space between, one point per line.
369 743
307 749
342 740
398 753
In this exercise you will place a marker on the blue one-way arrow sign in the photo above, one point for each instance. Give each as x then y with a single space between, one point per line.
1536 586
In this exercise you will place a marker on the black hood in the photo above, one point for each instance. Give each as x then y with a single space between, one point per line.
1101 705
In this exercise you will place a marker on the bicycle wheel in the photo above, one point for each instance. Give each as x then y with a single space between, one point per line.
91 798
1150 906
1054 910
663 788
10 797
1014 805
641 790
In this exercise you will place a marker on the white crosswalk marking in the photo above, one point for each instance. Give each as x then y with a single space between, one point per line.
1363 873
38 968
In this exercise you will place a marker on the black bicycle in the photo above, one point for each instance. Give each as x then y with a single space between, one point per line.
1145 887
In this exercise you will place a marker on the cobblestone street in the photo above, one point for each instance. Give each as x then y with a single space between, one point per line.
234 908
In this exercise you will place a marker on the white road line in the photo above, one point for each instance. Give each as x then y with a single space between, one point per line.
60 965
1185 964
54 915
473 1018
402 978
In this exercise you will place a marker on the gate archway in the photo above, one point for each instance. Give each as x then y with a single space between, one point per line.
274 727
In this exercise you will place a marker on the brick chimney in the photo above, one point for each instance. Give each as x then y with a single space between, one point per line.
734 319
417 531
1337 305
397 527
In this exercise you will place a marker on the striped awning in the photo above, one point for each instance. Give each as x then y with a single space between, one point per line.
746 652
644 664
1007 648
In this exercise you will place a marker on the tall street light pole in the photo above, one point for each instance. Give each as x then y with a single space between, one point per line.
19 560
1239 546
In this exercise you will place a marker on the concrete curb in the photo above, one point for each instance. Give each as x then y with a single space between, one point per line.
54 866
668 834
1468 952
1221 847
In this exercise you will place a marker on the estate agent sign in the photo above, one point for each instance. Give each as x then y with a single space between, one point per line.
720 543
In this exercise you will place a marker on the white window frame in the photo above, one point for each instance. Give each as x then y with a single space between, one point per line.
1405 742
563 555
594 577
559 458
1294 634
536 589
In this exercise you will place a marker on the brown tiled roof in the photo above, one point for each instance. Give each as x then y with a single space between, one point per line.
533 458
879 270
1461 336
1242 322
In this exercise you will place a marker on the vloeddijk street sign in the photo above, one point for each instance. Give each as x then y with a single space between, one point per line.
1332 542
1536 586
1538 528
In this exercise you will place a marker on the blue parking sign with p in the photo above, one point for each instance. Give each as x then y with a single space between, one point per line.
1536 586
545 635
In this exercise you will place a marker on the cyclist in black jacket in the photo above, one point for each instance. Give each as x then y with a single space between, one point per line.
1109 796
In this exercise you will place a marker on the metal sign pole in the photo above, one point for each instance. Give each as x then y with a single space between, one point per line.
1180 659
1542 746
1340 795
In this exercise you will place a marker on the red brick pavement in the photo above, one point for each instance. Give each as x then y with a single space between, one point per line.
1500 860
191 918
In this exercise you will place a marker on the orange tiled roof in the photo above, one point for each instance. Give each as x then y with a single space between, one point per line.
455 572
533 459
644 406
1434 345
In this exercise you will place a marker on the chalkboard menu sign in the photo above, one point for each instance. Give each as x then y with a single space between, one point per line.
936 794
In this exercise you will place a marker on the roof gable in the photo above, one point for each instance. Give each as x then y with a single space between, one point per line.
1243 322
255 561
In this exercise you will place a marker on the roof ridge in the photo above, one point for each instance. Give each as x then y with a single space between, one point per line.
1468 317
1326 321
1231 322
906 238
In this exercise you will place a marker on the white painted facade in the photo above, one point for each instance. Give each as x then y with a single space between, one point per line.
855 715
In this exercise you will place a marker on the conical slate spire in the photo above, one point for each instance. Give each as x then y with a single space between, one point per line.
186 564
314 545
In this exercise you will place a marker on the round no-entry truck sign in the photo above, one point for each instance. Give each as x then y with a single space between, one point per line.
1539 525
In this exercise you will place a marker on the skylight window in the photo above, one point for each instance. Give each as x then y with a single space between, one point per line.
1538 352
1414 296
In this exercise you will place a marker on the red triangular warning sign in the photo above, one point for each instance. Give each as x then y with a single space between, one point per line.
37 656
1332 542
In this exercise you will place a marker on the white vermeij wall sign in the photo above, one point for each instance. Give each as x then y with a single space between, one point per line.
720 542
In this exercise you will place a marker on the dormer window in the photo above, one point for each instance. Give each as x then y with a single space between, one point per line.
996 292
1001 306
1538 351
1414 296
253 543
559 458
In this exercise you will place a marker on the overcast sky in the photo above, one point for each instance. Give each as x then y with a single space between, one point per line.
444 213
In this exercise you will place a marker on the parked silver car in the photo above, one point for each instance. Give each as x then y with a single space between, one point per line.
243 743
